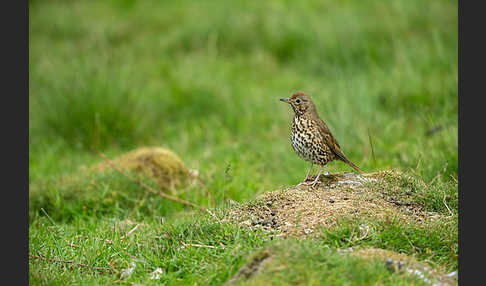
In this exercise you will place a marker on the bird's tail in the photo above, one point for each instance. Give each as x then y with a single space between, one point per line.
345 160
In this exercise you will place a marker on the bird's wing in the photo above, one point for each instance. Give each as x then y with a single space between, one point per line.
333 144
328 139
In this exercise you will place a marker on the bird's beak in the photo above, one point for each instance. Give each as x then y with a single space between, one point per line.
284 100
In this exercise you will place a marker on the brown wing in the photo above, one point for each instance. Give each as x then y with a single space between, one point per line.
333 144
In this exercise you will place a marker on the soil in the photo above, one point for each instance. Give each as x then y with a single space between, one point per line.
301 210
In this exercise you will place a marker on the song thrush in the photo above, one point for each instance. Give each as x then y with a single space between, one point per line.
311 138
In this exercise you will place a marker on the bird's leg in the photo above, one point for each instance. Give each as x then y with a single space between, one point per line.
308 172
317 178
307 176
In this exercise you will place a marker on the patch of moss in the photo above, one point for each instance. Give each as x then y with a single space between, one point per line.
160 164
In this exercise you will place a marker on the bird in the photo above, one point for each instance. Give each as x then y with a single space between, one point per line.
310 137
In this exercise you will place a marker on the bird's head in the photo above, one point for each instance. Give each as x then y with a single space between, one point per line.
301 103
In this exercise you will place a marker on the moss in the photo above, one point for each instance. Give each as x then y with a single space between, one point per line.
159 164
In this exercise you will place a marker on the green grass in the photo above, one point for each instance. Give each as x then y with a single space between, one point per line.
100 242
439 195
204 79
436 243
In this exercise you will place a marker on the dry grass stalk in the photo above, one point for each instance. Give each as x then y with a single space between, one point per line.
72 263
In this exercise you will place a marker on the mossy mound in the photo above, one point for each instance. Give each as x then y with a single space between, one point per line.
402 263
307 262
102 190
159 164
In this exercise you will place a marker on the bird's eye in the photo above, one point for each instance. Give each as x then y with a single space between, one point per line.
297 101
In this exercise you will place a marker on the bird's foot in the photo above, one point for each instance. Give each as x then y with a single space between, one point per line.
311 184
304 183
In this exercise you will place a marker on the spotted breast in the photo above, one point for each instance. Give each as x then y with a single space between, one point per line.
308 143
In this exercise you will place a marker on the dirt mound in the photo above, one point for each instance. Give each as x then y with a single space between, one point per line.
300 210
255 264
271 260
401 263
162 165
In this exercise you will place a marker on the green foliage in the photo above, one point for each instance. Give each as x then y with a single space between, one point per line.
204 79
199 84
440 195
191 251
90 109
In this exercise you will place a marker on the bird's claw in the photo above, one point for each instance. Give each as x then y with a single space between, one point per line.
304 183
313 184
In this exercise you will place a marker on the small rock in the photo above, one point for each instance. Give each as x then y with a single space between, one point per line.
246 222
232 203
452 274
128 272
308 230
156 274
394 266
389 264
331 201
345 250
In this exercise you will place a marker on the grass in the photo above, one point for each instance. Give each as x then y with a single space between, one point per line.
156 246
436 243
313 263
204 79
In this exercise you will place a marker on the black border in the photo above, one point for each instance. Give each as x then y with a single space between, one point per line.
14 23
471 78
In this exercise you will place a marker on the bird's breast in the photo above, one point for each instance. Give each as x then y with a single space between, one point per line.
301 138
307 142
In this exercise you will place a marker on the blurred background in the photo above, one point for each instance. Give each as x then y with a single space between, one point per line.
204 80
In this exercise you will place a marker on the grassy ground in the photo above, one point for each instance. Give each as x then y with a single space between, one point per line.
204 79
